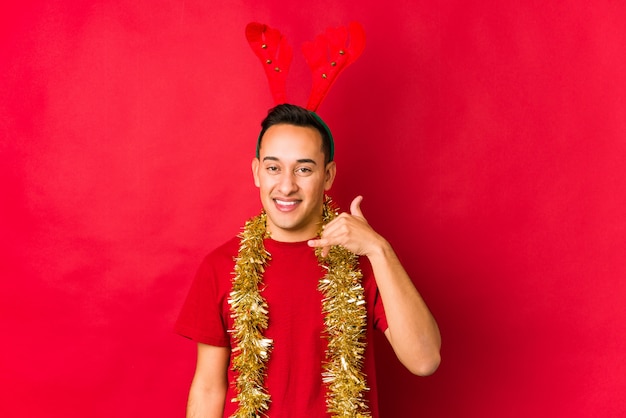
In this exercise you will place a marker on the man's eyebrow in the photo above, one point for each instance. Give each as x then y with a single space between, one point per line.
300 161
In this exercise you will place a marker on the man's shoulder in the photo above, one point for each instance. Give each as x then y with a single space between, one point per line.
227 250
220 259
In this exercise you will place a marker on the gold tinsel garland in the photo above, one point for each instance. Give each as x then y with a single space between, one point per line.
345 320
249 311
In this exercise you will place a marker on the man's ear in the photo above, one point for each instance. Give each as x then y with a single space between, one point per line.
255 171
329 175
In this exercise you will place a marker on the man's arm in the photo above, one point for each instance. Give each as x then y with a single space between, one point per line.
207 393
412 332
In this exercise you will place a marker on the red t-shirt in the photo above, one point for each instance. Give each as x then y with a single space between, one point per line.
296 323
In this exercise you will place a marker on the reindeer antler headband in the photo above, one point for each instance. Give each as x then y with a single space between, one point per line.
327 56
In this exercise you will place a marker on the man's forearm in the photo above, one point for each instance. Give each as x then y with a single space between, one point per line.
205 403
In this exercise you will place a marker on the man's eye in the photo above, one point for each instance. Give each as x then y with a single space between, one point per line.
272 168
304 170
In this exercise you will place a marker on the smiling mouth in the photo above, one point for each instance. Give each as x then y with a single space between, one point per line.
286 205
285 202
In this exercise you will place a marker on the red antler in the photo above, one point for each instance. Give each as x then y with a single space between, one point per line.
329 55
275 54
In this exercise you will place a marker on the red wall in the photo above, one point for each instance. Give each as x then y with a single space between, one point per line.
488 138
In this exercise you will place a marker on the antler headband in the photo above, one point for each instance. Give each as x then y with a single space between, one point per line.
327 56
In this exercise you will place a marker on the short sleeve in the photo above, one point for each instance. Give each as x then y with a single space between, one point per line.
377 313
380 318
201 318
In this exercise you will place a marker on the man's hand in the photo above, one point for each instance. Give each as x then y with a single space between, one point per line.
351 231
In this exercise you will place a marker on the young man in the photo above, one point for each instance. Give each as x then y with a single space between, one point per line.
293 169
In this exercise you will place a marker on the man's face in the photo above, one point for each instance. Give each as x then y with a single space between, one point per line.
292 178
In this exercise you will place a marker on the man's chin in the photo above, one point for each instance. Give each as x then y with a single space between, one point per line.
285 225
293 229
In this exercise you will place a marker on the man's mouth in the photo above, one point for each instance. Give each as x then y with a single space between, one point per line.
286 205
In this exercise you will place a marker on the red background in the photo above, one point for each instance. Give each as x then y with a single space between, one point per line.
488 138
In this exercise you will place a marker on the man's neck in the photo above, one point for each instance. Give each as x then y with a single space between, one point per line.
282 235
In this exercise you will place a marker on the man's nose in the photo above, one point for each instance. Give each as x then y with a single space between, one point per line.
288 184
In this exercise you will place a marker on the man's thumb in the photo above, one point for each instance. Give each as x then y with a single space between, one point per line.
355 207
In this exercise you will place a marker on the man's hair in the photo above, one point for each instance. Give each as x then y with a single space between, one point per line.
298 116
